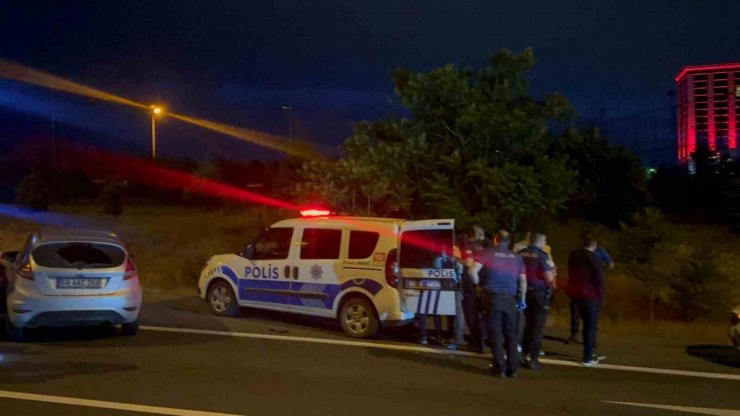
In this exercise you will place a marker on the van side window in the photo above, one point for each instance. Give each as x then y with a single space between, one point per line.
273 244
362 244
320 244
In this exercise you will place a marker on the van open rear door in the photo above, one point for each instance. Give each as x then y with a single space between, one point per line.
426 267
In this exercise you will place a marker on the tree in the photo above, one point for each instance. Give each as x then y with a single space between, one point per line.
474 148
611 182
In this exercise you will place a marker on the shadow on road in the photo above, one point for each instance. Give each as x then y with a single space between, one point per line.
21 364
719 354
425 359
28 372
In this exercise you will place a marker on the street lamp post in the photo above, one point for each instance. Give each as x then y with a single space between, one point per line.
156 111
288 109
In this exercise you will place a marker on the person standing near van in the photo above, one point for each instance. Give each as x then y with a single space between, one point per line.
457 322
540 279
505 276
586 289
444 261
470 285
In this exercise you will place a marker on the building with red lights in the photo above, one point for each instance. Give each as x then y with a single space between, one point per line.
708 110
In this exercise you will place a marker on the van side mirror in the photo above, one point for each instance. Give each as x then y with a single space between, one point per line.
10 256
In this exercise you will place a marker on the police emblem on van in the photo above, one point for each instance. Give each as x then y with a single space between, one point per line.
316 272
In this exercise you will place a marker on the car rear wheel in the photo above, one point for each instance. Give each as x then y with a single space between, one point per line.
358 319
222 300
131 328
13 333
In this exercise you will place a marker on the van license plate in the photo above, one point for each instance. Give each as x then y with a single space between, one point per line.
423 284
78 283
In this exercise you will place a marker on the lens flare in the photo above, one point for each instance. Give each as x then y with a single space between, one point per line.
29 75
296 148
54 219
18 72
102 164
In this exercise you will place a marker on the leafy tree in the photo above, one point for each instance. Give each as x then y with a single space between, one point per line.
475 148
611 182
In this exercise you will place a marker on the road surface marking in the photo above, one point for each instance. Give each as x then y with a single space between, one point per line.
695 410
414 348
107 405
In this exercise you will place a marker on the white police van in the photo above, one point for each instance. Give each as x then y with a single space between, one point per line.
345 268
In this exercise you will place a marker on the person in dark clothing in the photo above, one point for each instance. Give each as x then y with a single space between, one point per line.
586 289
504 276
470 301
540 278
575 317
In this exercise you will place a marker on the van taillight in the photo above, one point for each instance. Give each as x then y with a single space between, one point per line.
390 268
25 271
131 272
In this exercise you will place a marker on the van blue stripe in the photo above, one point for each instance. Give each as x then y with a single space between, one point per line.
418 304
426 308
436 307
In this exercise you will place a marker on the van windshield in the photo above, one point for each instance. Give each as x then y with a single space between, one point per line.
422 249
72 255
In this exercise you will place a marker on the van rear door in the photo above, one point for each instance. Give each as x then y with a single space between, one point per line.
426 267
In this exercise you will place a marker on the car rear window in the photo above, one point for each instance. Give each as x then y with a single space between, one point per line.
362 244
421 249
78 255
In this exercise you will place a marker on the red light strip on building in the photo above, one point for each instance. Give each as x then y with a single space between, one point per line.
705 68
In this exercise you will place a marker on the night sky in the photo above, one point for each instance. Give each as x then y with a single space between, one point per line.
239 61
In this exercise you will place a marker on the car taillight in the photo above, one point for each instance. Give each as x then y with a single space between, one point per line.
131 272
390 268
25 271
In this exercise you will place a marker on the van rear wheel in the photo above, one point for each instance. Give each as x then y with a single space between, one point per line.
358 318
222 300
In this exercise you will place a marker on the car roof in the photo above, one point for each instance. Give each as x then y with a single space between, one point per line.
86 235
344 220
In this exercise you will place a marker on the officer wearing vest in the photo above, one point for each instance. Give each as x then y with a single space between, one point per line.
504 276
539 270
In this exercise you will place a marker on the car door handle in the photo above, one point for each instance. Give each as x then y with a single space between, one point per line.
287 272
295 272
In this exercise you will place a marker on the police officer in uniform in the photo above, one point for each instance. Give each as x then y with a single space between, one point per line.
504 276
539 270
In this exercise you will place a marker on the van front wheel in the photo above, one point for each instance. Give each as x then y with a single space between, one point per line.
358 318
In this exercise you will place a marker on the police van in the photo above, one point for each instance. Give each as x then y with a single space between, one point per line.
364 272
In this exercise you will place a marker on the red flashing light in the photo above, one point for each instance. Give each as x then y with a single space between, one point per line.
315 212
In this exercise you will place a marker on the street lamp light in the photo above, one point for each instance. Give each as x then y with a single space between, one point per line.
156 111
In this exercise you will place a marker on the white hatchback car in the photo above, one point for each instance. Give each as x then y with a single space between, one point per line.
70 278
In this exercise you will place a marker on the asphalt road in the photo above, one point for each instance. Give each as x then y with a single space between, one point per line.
277 364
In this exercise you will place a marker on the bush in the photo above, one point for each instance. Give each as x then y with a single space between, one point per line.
700 286
34 190
113 196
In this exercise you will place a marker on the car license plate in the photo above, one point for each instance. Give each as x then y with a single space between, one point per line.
423 284
79 283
